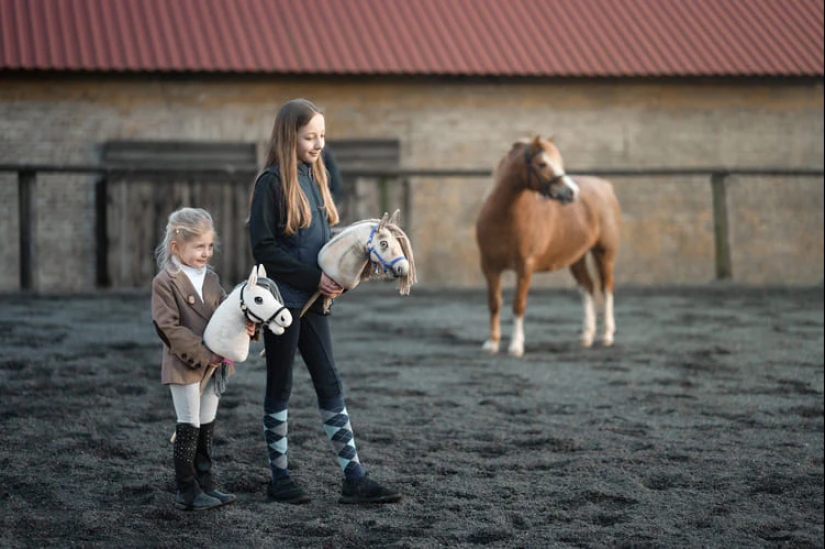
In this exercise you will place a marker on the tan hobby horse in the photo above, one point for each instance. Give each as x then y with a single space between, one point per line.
367 249
537 218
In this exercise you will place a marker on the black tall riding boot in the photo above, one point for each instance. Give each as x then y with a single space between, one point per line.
189 496
203 465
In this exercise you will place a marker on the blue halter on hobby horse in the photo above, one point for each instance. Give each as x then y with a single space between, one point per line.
384 265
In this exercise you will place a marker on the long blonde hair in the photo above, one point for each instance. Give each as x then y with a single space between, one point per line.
283 152
183 225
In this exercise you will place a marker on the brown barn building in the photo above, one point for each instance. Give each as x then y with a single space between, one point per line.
431 93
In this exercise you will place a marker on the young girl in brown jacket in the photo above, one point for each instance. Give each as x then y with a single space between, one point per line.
185 293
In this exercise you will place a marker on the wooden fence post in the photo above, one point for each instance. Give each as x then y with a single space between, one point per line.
383 196
27 211
406 201
721 231
102 232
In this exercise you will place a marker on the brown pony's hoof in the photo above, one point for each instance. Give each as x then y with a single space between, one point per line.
490 347
516 349
586 343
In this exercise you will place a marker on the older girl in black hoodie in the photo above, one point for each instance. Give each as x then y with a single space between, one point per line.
290 216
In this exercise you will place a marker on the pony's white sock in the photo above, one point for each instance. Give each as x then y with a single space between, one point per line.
517 340
609 320
589 324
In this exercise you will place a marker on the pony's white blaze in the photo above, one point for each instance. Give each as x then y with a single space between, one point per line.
567 180
558 171
517 341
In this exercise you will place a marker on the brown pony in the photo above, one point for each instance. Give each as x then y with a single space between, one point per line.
536 219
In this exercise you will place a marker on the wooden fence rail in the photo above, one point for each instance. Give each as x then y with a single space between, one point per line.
27 189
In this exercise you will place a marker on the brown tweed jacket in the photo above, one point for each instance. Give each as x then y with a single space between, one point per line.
180 318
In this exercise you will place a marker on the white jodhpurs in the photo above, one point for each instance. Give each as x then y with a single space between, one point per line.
192 407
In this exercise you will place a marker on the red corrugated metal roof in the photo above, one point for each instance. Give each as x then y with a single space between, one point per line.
591 38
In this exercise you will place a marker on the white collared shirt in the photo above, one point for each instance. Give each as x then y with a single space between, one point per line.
196 276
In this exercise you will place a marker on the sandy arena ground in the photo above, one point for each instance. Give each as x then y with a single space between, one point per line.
701 427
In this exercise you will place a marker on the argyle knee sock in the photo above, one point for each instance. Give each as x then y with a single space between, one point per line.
339 432
275 431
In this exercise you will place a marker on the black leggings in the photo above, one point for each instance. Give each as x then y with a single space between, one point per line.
311 336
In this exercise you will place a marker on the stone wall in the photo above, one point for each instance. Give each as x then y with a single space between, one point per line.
776 223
